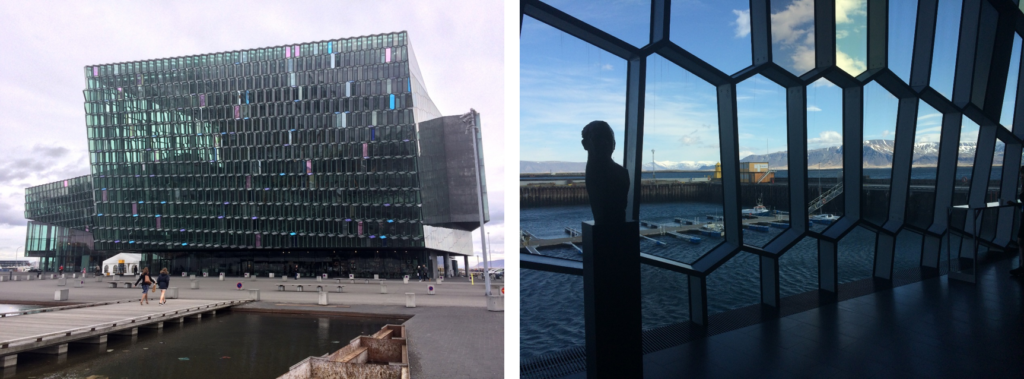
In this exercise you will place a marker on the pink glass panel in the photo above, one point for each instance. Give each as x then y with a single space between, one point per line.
202 100
248 181
366 151
287 52
65 183
259 241
297 51
309 167
236 112
158 223
360 227
387 55
104 195
135 208
95 71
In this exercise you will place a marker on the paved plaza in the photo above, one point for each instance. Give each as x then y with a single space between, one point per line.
451 333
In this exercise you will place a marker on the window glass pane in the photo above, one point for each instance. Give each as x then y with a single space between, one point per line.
629 21
761 110
851 36
902 18
947 34
717 32
793 35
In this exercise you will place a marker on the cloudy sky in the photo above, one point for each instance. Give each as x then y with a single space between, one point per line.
566 83
46 46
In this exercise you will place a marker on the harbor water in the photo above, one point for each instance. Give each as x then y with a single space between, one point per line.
551 316
228 345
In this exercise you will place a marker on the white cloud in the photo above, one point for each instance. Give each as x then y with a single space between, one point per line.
849 64
812 108
825 139
794 22
742 22
886 133
845 9
607 67
690 139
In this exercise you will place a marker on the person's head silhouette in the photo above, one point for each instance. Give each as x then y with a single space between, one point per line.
598 138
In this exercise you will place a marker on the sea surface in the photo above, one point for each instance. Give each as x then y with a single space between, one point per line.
551 305
873 173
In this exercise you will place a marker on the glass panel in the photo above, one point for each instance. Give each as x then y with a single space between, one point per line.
824 153
920 207
908 251
965 159
541 307
902 19
717 32
735 284
761 110
793 35
798 268
851 36
1010 95
629 21
947 33
880 109
664 300
680 189
856 253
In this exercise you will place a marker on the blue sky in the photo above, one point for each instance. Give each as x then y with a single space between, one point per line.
566 83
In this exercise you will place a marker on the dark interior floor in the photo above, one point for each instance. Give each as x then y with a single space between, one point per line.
936 328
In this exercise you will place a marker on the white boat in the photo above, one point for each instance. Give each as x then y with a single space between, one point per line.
759 210
824 218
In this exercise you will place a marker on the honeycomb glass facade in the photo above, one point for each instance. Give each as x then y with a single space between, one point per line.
948 98
241 161
60 232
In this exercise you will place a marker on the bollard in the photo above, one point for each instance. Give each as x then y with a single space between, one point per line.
74 276
172 292
410 300
439 280
62 282
254 294
376 277
192 277
323 298
496 290
383 288
3 278
430 289
496 303
195 284
222 276
284 278
405 279
53 276
14 278
319 279
271 275
61 295
80 284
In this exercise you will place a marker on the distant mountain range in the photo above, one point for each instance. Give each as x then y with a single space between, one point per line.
877 153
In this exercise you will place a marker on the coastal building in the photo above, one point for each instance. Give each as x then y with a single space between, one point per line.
305 158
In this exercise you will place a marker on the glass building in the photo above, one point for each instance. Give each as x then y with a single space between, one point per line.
59 233
290 159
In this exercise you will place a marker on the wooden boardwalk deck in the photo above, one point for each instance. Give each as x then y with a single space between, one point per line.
51 329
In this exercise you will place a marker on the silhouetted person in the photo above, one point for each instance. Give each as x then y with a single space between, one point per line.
607 181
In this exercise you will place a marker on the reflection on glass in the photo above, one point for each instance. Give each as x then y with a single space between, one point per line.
682 196
764 197
793 35
717 32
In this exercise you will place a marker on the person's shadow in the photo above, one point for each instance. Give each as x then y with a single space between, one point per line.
607 182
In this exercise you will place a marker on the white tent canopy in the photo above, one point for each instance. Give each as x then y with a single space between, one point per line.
112 265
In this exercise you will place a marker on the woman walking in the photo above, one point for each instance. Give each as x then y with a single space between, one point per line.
163 281
146 281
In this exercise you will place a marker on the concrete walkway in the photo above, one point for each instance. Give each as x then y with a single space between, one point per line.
451 334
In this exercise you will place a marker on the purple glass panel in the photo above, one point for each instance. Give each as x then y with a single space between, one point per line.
65 183
259 241
158 223
287 52
202 100
135 208
236 112
366 151
104 195
360 228
309 167
297 51
248 181
387 55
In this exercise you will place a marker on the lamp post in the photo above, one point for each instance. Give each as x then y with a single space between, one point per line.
470 120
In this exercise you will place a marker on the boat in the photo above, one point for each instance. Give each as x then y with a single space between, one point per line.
759 210
824 218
